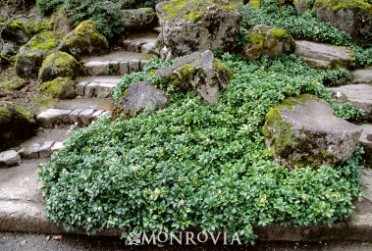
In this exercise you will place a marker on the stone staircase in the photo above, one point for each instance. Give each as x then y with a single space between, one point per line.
103 74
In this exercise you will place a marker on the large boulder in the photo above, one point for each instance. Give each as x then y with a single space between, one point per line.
303 131
143 96
32 54
266 40
85 40
139 19
199 72
59 64
353 17
362 76
16 125
191 26
62 88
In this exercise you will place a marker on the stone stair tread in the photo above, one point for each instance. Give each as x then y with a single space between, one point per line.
338 55
118 56
83 103
362 76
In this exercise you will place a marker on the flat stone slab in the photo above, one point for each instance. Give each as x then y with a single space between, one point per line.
9 158
54 117
111 64
324 55
141 43
362 76
100 87
359 95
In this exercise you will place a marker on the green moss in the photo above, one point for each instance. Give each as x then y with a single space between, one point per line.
58 88
336 5
59 64
35 27
18 25
85 40
193 10
44 41
148 11
255 4
279 33
9 80
43 103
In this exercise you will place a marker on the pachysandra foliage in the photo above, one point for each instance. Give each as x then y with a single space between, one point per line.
192 165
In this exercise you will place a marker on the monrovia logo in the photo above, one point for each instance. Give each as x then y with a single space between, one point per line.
182 238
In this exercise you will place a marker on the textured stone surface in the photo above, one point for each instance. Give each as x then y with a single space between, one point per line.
139 19
189 27
301 6
51 117
199 72
30 152
360 95
98 86
46 149
9 158
324 55
353 18
362 76
304 131
141 96
266 40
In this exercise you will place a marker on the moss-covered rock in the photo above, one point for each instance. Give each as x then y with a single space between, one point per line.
139 19
32 54
303 131
62 88
61 26
190 26
353 17
16 125
85 40
268 40
59 64
16 32
199 72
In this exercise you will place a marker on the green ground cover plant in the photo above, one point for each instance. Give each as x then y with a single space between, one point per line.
196 166
305 26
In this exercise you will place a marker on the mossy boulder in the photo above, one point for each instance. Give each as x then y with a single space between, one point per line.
59 64
353 17
303 5
61 88
32 54
266 40
196 26
303 131
85 40
199 72
16 32
16 125
139 19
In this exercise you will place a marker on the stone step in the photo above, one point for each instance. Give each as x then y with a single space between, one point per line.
115 64
360 95
141 43
43 150
100 87
83 117
323 55
362 76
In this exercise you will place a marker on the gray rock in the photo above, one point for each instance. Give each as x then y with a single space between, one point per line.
360 95
303 131
268 40
61 25
354 19
30 152
366 142
199 72
323 55
52 117
97 68
85 117
198 26
9 158
57 146
302 6
139 19
362 76
141 96
46 149
16 32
